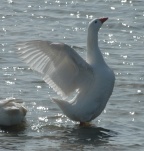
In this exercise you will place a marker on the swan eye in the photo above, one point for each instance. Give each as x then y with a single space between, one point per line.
95 22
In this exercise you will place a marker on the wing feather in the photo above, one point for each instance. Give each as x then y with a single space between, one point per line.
60 65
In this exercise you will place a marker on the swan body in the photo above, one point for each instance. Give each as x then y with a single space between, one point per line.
67 72
11 112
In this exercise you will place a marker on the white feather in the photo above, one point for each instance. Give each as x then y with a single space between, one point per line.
61 67
67 72
12 112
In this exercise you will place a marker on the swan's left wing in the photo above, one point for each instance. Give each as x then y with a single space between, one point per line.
60 65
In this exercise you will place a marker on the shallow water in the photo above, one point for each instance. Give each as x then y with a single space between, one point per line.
121 39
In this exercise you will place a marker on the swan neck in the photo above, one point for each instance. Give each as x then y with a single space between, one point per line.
94 54
92 41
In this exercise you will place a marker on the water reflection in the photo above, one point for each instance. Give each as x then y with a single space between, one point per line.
11 137
70 137
89 135
14 130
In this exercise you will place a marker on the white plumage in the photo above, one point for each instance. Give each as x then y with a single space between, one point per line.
67 72
12 112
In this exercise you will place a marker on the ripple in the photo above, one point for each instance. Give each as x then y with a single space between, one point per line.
121 41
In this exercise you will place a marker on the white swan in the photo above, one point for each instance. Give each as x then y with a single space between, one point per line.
66 72
11 112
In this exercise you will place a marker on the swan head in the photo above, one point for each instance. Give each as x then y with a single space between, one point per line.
95 25
92 38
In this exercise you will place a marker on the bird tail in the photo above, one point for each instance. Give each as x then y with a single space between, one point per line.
63 105
58 102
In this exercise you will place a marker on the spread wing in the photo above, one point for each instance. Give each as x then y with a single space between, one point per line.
60 65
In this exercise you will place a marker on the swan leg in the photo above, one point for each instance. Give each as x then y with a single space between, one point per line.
85 124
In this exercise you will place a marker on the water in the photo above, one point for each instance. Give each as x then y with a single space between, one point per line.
121 39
